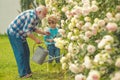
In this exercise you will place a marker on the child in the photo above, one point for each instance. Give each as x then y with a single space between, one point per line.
53 30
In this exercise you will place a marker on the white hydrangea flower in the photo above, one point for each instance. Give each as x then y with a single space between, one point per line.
73 68
108 47
117 16
61 31
87 62
101 23
105 57
64 66
80 77
108 38
63 59
86 38
91 48
69 35
60 43
82 46
86 5
94 8
74 49
95 26
76 31
97 58
112 27
93 75
101 44
71 26
78 10
74 38
70 48
96 20
116 76
87 19
88 34
86 11
94 2
81 36
64 9
69 55
85 1
117 63
109 15
68 14
87 26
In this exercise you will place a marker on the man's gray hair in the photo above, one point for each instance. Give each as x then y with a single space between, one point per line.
40 8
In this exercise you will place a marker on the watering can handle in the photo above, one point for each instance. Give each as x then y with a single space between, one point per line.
35 46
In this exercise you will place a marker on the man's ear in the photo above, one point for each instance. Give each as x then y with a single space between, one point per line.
38 12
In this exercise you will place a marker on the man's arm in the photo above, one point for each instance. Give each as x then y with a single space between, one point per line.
34 38
39 31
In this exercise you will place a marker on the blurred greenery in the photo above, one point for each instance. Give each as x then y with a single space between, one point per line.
30 4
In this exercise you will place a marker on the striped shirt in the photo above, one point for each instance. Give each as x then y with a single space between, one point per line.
24 24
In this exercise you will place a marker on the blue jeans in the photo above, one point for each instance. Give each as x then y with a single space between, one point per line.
21 53
53 52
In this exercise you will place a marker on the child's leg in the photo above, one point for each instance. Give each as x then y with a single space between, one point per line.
57 54
51 55
51 52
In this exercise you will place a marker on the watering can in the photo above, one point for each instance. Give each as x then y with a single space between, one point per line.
40 55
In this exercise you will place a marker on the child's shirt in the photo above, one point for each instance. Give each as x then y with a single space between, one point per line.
53 34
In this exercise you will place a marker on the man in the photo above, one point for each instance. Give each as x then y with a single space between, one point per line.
21 28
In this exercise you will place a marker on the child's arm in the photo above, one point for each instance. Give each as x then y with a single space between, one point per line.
49 40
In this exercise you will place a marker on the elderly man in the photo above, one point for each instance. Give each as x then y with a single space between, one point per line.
21 28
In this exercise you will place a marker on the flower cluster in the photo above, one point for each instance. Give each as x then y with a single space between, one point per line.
91 43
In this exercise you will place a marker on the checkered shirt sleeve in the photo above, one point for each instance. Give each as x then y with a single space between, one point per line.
24 24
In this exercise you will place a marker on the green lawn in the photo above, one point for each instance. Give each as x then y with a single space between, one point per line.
8 68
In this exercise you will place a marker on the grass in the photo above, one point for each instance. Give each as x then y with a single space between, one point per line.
8 68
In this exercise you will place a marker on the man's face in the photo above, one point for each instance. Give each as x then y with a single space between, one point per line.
42 14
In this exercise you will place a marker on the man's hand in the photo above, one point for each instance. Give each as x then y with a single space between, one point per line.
37 41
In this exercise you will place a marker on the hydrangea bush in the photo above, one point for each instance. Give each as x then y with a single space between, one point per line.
90 37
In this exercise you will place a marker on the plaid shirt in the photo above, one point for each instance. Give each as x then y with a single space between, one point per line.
24 24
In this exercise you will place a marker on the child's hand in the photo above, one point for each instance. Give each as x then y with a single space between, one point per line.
50 40
47 33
